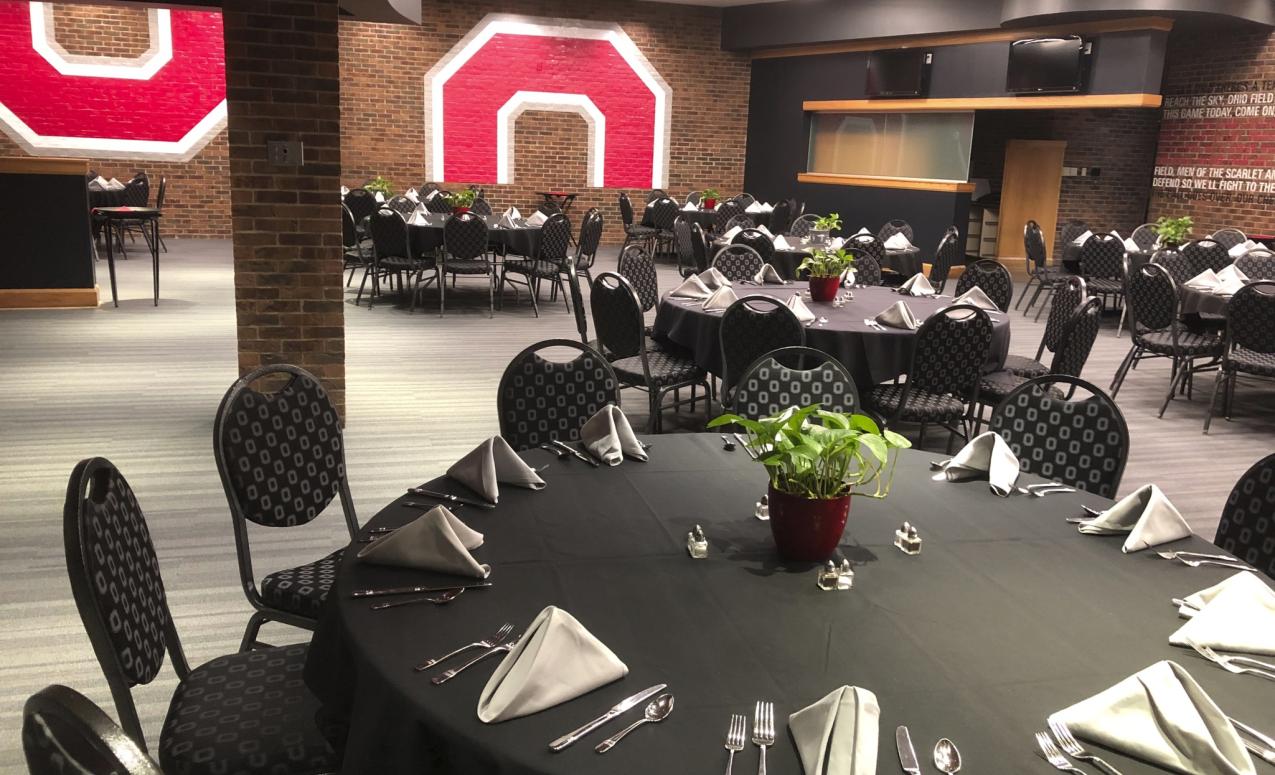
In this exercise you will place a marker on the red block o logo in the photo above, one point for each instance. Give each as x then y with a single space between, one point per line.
508 64
165 104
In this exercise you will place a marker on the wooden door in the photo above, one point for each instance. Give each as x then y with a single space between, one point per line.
1029 192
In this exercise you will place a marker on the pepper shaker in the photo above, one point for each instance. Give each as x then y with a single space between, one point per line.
697 543
829 577
845 576
907 540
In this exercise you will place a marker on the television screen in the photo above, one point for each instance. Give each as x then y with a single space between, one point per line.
1046 65
899 73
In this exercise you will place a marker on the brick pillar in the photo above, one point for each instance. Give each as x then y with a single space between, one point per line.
283 83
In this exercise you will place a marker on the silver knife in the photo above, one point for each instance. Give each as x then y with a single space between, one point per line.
621 707
417 590
449 498
907 754
577 454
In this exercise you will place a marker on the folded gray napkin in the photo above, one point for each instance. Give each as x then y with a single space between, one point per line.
1162 716
768 275
537 218
985 455
512 214
799 308
898 315
917 285
714 279
1204 281
609 437
412 195
437 540
897 241
781 243
976 297
1241 617
838 734
1192 604
730 233
556 661
720 300
492 464
1146 515
692 288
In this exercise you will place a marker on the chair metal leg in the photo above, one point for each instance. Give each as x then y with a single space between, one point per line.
1178 375
1124 309
1217 387
250 641
1049 299
1033 279
1123 371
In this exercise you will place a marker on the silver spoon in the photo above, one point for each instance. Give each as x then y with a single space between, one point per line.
946 757
442 599
656 711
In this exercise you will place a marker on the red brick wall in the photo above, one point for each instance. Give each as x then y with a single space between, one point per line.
99 30
382 106
1215 162
1119 142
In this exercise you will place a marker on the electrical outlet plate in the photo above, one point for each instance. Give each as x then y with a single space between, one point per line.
285 153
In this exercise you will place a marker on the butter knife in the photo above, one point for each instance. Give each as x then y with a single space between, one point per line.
417 590
449 498
577 454
620 707
907 754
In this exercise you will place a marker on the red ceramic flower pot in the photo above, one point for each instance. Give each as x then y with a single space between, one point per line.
709 204
807 530
459 210
824 288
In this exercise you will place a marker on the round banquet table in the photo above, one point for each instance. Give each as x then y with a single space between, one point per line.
1007 615
521 241
906 262
872 356
1199 302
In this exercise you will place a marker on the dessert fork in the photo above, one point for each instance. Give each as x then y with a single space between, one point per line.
492 641
763 731
735 738
1073 747
1233 663
1054 756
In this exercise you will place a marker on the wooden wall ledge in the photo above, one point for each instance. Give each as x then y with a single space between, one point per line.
913 184
954 104
42 165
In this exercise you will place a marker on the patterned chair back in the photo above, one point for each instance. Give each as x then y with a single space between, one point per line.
590 238
626 209
65 733
635 266
738 263
1206 254
426 188
1176 264
951 348
743 221
1250 318
867 270
481 207
746 200
896 226
992 278
802 226
1077 341
1069 294
692 198
663 212
549 207
1034 247
401 205
699 244
617 315
654 194
794 377
1247 529
1152 299
159 196
758 241
362 203
1145 236
1102 257
750 328
539 400
577 306
1229 238
781 217
947 255
137 192
465 236
1071 230
555 239
684 241
116 582
1257 264
349 234
389 234
869 245
1081 443
723 215
439 204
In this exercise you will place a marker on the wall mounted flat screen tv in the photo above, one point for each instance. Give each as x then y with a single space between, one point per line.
1046 65
903 72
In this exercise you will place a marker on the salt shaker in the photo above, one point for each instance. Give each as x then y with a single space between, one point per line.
845 576
762 509
829 577
697 543
907 540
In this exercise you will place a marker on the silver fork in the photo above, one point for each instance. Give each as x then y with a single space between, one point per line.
492 641
448 675
763 731
1077 751
1232 663
735 738
1234 565
1054 756
1201 556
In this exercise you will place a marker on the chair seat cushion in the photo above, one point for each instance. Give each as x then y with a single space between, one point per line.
1252 362
1024 366
303 589
243 714
993 387
638 230
1188 343
666 369
922 406
1103 285
538 268
401 264
467 265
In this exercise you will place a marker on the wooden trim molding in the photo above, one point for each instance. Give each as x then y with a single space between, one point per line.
47 298
913 184
43 165
1159 23
951 104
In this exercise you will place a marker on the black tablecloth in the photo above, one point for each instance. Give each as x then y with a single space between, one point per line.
906 262
428 236
1197 302
1007 615
872 356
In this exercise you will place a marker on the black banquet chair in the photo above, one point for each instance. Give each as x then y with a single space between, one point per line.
1257 264
281 456
1104 266
1044 277
540 400
633 231
802 225
66 733
662 213
739 263
1229 237
948 254
401 205
552 262
992 278
896 226
246 712
1069 295
758 241
465 252
750 328
362 203
1250 342
1082 443
1206 254
1247 529
638 268
691 257
795 376
724 214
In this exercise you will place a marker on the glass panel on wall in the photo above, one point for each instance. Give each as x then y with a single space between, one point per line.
929 146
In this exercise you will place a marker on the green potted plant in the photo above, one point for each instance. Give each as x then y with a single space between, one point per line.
379 185
1173 232
816 460
461 201
708 198
825 268
824 226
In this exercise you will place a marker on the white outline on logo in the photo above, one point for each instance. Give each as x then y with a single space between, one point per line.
524 101
139 68
509 24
